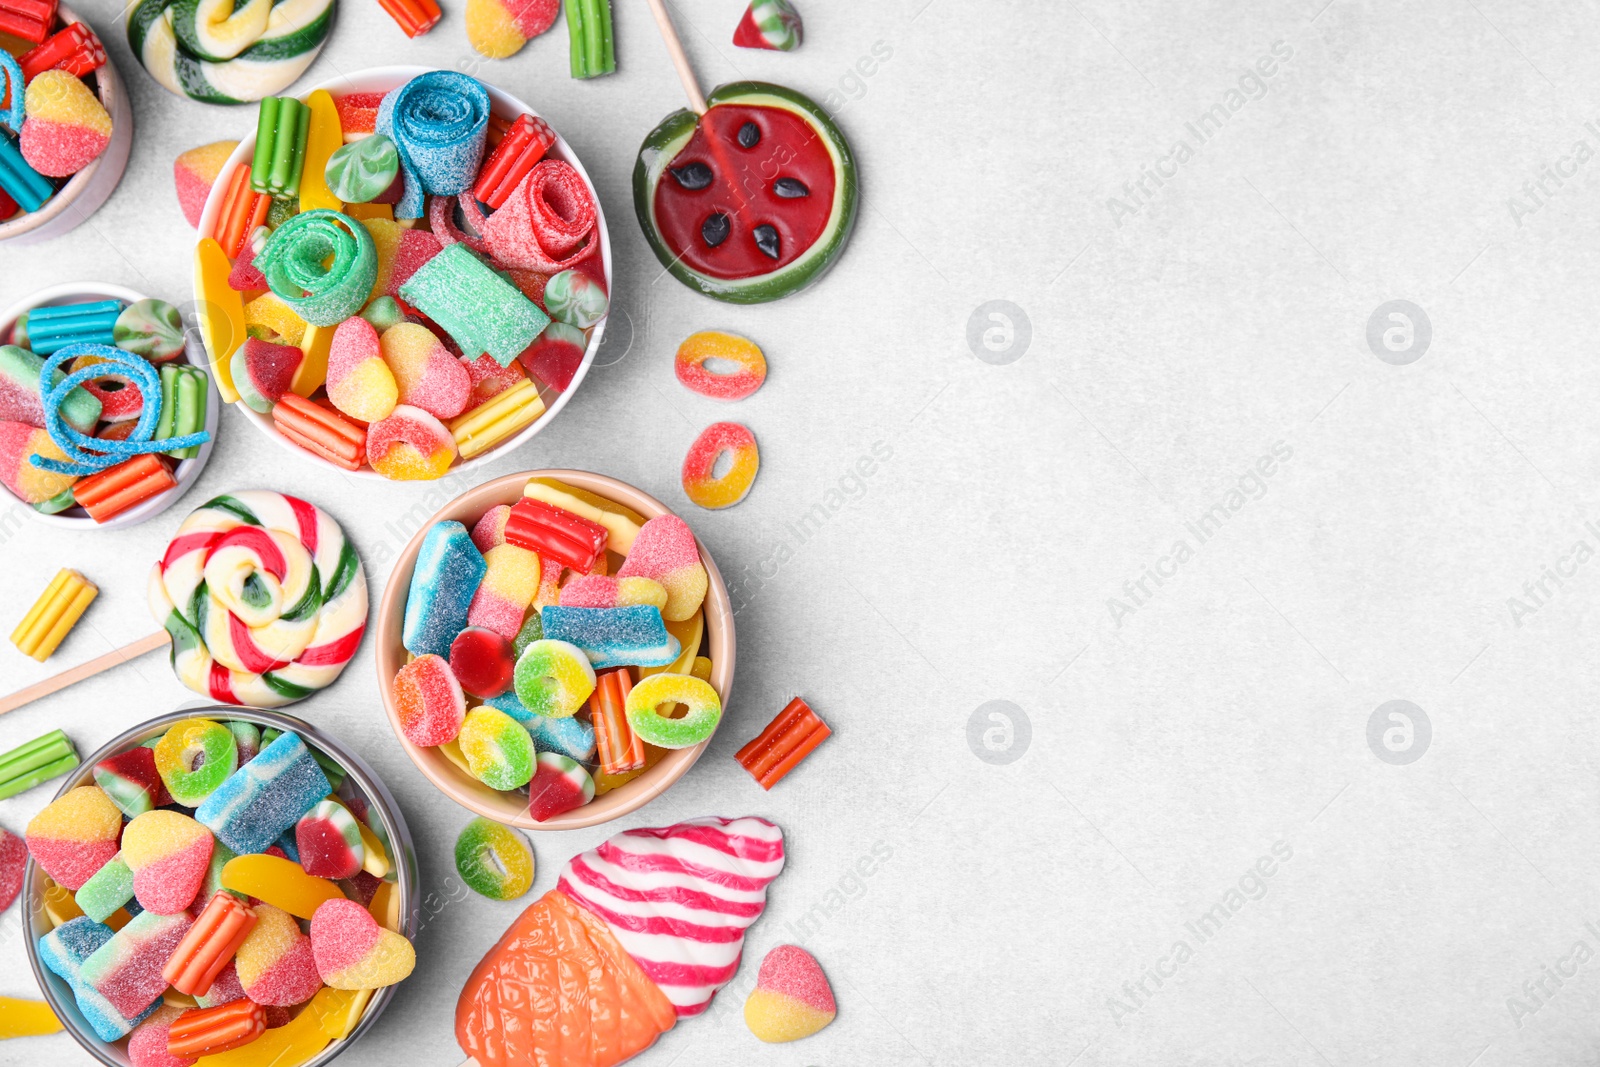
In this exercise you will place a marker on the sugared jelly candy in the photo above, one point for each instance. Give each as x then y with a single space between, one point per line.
792 998
67 127
13 864
665 551
75 835
720 348
360 383
499 752
410 445
701 485
559 784
168 854
110 889
553 678
194 757
131 780
265 797
275 963
329 841
427 375
354 952
613 637
494 860
147 1047
429 701
482 662
647 697
575 298
508 588
448 571
604 591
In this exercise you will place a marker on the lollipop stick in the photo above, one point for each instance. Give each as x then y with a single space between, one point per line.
669 36
73 675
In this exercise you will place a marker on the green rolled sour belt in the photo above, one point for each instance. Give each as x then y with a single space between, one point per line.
220 52
662 145
293 262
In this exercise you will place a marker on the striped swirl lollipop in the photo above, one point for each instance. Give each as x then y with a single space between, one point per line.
265 599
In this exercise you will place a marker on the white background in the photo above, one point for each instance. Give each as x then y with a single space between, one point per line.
1172 346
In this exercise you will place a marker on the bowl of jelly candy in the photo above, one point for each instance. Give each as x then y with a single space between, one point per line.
449 355
68 43
142 484
471 668
127 994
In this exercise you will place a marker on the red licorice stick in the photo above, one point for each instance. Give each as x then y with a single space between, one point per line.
207 1031
618 747
29 19
321 431
525 143
786 741
116 489
415 17
74 49
563 536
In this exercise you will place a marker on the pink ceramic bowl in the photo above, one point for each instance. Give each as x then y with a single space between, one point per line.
512 808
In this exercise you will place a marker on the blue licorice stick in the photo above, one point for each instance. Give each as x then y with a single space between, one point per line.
438 122
22 183
53 328
110 453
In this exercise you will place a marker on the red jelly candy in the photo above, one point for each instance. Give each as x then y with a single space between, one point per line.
482 661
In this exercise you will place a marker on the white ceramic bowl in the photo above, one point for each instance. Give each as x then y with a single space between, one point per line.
86 190
382 79
187 471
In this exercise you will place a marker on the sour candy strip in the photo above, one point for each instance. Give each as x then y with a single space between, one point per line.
618 747
786 741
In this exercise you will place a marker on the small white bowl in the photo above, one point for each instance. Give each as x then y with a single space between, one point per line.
187 471
382 79
92 186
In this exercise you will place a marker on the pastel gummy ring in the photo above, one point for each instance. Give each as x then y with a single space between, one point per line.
751 201
438 122
745 354
76 446
227 52
494 860
700 483
194 757
553 678
322 264
645 699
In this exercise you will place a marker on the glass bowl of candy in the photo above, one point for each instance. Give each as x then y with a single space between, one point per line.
108 409
217 878
402 272
554 649
57 169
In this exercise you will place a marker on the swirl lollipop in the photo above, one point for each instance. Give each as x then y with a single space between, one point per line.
264 598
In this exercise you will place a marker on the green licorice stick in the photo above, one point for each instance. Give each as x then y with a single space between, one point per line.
575 27
169 400
607 44
191 409
40 776
20 768
289 153
266 135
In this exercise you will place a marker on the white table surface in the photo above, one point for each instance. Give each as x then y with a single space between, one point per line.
1030 912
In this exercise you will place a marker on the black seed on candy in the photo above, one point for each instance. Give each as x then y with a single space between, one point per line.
749 135
767 240
715 229
790 188
692 176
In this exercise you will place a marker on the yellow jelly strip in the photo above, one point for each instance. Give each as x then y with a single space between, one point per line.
701 669
688 632
620 522
279 882
293 1044
54 614
118 919
370 211
59 905
338 1024
493 421
221 313
26 1018
322 140
313 370
385 906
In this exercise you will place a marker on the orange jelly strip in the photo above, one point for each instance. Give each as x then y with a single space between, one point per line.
786 741
619 748
203 1031
116 489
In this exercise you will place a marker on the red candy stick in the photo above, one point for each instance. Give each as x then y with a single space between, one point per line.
618 747
207 1031
29 19
779 748
525 143
563 536
74 49
116 489
415 17
321 431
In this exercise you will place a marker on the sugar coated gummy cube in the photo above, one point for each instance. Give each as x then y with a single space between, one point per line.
110 888
126 971
613 637
481 310
265 797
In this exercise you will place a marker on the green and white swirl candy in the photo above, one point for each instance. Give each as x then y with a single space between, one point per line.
221 52
150 328
360 171
575 298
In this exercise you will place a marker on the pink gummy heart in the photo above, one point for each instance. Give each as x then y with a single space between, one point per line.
66 127
169 854
353 952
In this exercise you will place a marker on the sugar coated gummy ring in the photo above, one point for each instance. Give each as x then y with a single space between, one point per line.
753 200
494 860
701 485
644 700
194 757
553 678
697 348
220 52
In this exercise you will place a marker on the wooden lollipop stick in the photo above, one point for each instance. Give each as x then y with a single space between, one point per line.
669 36
72 676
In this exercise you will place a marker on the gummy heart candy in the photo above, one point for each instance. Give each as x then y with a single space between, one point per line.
665 551
427 375
353 952
75 835
499 28
28 483
169 854
276 963
194 173
66 128
13 863
360 383
792 998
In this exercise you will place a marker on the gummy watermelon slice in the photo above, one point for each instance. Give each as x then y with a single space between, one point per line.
752 201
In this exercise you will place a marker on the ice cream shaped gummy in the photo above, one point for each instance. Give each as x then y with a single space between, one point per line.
637 933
